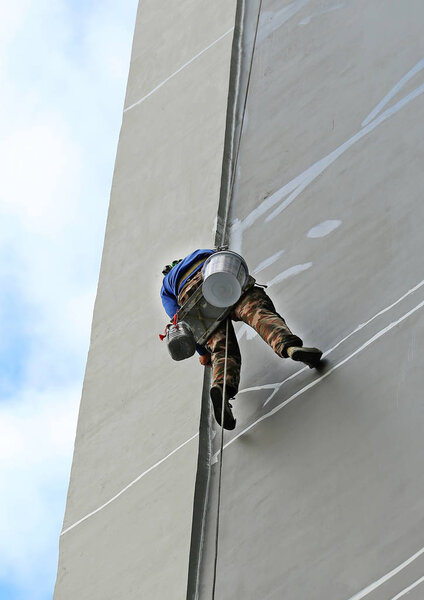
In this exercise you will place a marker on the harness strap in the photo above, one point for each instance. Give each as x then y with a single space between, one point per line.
162 336
188 273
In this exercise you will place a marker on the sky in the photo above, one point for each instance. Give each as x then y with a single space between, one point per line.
63 71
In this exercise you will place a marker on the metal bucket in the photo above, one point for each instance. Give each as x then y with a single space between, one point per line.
180 341
224 275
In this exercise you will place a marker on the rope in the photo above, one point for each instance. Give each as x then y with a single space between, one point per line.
226 328
233 175
224 388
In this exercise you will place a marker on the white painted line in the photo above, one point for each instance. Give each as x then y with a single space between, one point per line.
324 228
395 89
178 70
268 261
246 330
272 20
308 19
319 379
276 386
129 485
408 589
373 586
295 187
295 270
320 166
381 312
266 386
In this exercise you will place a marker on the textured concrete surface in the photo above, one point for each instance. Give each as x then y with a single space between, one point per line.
323 483
128 518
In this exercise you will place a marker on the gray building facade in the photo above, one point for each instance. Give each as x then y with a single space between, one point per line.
295 131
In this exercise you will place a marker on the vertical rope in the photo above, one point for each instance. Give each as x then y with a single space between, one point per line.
221 456
233 175
224 234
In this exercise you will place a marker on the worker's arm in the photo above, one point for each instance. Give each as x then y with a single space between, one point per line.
205 359
169 302
201 350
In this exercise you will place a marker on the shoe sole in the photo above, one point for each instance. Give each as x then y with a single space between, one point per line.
310 356
229 420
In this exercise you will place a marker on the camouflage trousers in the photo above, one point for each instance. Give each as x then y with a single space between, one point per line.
256 309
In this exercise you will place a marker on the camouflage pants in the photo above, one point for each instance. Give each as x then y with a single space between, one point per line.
256 309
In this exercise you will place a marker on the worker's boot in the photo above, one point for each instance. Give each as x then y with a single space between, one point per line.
216 397
309 356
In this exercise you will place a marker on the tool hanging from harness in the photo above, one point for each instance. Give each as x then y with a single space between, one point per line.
225 279
179 339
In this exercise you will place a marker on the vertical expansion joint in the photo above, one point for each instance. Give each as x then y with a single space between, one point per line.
232 124
237 102
243 49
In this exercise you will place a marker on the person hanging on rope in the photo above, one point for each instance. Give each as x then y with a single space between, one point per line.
254 307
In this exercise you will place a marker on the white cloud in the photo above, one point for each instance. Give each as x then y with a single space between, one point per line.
64 69
12 15
36 439
40 162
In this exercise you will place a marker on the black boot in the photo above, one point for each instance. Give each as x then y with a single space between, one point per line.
309 356
216 397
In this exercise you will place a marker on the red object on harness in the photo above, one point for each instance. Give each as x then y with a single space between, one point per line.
174 322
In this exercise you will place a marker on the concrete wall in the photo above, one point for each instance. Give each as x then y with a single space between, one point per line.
323 485
127 525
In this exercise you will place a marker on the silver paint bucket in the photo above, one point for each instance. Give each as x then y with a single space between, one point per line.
224 275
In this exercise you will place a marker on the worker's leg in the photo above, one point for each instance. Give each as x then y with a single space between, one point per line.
216 346
256 309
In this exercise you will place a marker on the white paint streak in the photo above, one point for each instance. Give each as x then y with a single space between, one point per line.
274 386
241 332
257 388
373 586
416 69
408 589
268 261
127 487
178 70
250 333
277 386
236 236
290 272
295 187
319 379
319 167
323 228
272 20
246 330
381 312
308 19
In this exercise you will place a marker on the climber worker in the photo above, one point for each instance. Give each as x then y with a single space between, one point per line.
254 307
